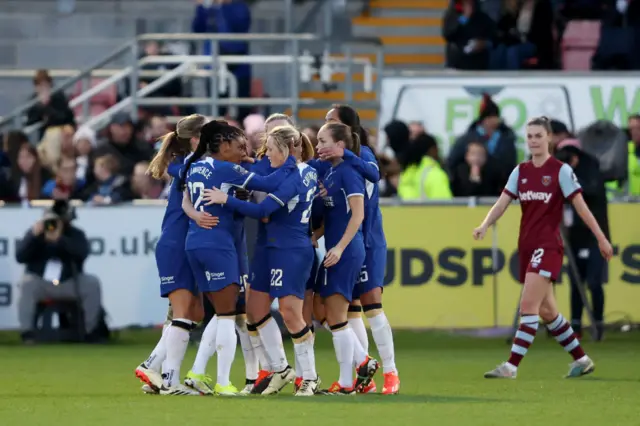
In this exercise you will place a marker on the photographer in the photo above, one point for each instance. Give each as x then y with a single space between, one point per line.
589 262
54 253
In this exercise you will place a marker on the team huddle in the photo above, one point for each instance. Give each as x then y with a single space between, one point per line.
300 198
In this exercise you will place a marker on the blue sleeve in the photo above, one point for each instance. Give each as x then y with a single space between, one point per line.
511 188
352 183
199 23
48 187
285 192
257 211
272 182
568 182
366 165
174 170
320 166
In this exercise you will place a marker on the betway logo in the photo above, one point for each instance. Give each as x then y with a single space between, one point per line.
535 196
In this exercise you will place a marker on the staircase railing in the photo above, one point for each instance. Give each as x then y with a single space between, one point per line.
295 64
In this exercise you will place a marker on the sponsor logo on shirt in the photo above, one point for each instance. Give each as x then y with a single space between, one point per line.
240 169
214 276
328 201
535 196
167 280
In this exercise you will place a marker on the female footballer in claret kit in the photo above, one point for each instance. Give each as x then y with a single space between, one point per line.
542 185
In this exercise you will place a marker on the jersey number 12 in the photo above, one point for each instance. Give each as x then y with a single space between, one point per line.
197 191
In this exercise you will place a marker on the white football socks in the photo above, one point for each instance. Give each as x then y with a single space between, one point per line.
358 327
176 342
359 354
159 353
272 340
207 347
343 342
258 349
250 359
305 359
226 346
383 336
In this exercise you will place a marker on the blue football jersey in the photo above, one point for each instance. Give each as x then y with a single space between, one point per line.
175 222
367 166
262 167
209 173
288 209
341 183
372 227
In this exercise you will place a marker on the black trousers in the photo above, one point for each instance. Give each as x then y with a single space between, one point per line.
591 268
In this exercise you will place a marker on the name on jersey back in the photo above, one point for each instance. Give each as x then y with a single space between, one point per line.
201 170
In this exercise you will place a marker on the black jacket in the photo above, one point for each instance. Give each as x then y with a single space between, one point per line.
489 185
504 156
540 32
128 154
55 113
72 249
595 195
479 26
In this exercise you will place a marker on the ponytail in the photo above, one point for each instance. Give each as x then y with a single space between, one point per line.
199 152
171 146
308 152
355 146
262 151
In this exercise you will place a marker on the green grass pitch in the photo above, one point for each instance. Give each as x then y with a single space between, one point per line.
441 378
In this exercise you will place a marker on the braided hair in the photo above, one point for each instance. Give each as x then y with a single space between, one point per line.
212 135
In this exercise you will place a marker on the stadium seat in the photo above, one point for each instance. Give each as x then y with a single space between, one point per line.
71 321
98 103
579 44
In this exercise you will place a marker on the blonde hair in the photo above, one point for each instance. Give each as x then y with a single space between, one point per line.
50 148
287 138
273 117
176 143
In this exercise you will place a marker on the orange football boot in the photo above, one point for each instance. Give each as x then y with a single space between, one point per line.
391 384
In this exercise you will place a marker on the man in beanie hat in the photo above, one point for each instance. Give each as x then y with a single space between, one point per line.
498 139
582 243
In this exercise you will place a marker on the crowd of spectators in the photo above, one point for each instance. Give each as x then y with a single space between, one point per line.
110 167
528 34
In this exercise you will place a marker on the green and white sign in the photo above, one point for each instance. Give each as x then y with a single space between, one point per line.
448 105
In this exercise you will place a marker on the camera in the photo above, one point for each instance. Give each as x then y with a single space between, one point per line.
61 211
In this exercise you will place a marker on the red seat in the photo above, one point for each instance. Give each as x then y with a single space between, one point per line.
100 101
579 44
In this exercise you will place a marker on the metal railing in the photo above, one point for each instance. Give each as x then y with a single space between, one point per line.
292 61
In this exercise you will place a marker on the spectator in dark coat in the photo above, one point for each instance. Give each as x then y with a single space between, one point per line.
54 252
469 33
476 176
583 244
51 109
497 137
122 144
234 17
525 31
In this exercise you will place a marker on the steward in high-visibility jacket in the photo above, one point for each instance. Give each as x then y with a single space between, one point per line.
633 176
